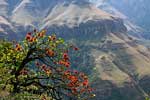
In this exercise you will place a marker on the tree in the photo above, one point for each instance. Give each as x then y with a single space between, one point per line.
41 65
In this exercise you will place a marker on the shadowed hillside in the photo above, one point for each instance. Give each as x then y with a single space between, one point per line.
118 64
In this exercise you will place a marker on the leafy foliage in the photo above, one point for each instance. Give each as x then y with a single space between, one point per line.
147 99
40 65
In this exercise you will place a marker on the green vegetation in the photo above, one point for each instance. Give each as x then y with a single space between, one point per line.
147 98
39 68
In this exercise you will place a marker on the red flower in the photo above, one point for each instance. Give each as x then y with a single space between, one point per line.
85 83
82 90
67 72
82 74
18 47
90 89
74 90
28 36
37 63
73 79
76 49
50 53
76 72
42 33
65 56
61 62
43 67
70 84
29 33
48 71
55 62
32 39
52 38
65 63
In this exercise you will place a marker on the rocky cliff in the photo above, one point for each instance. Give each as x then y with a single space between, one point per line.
119 67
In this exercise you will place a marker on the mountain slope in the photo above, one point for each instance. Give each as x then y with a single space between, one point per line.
27 12
71 16
6 28
4 8
140 6
133 9
121 65
132 28
137 12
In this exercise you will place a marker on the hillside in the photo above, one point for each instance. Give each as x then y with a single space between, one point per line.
118 65
136 12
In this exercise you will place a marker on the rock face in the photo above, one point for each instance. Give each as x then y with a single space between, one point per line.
141 6
121 66
4 8
136 12
6 28
139 13
132 28
68 20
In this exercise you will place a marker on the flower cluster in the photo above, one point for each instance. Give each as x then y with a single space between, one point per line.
51 53
30 38
77 82
52 38
44 68
18 47
42 33
65 60
33 36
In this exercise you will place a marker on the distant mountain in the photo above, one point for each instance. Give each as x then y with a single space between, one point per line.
31 12
131 26
4 8
118 65
136 12
73 14
6 28
65 17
